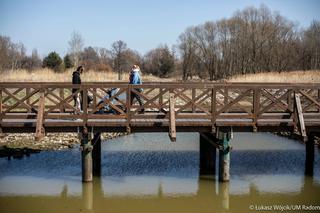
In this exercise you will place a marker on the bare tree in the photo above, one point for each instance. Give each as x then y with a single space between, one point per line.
75 47
118 50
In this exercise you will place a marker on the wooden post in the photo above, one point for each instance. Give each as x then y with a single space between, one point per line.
309 155
40 118
213 109
61 94
1 110
256 106
193 98
96 154
224 158
172 119
128 108
28 100
207 155
86 156
300 118
160 99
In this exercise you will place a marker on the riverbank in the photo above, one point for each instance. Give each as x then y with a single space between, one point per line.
51 141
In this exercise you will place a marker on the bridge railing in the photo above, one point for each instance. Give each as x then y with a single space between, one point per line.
199 103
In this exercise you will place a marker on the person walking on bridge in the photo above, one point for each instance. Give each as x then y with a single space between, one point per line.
76 79
134 78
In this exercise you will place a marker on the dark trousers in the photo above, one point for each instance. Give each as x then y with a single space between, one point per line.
134 95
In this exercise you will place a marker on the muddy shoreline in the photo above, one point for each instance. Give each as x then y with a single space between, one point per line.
19 144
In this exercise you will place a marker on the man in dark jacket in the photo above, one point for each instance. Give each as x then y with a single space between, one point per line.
76 79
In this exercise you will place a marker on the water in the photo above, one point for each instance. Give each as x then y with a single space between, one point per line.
147 173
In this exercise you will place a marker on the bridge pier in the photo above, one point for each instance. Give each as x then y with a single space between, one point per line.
86 157
207 155
309 163
224 157
96 154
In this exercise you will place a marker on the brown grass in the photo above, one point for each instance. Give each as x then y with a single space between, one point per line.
47 75
312 76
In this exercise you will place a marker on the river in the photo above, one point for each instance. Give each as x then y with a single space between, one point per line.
147 173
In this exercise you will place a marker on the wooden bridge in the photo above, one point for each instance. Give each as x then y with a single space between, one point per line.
212 109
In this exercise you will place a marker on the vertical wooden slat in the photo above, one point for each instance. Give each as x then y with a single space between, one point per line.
160 99
61 94
172 118
1 107
213 108
193 97
94 97
85 105
300 117
225 96
319 99
40 118
256 106
289 101
128 107
27 93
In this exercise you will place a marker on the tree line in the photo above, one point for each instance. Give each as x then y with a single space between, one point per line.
253 40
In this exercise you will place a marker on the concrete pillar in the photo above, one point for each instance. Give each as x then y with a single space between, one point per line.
224 157
207 155
309 155
86 155
96 154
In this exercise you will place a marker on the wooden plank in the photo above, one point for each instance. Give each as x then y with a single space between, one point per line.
300 117
172 123
256 106
40 118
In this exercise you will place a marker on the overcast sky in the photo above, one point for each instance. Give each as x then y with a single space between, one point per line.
142 24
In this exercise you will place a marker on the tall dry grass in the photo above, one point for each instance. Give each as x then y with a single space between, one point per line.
47 75
312 76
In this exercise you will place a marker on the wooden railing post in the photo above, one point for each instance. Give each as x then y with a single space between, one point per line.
256 106
85 104
61 94
128 108
300 117
160 99
213 109
172 118
193 97
40 118
1 110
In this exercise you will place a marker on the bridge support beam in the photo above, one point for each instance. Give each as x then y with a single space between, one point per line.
224 157
207 155
86 155
309 163
96 154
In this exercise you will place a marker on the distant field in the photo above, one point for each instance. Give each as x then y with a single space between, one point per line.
46 75
289 77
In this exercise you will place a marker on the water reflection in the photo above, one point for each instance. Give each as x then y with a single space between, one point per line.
159 180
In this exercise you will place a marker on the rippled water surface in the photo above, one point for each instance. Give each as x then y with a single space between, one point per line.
147 173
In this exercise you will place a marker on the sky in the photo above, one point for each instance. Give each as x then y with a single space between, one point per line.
47 25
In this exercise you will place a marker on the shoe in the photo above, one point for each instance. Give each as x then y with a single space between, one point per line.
141 111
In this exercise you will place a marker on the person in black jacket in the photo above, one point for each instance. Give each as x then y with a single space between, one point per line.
76 79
